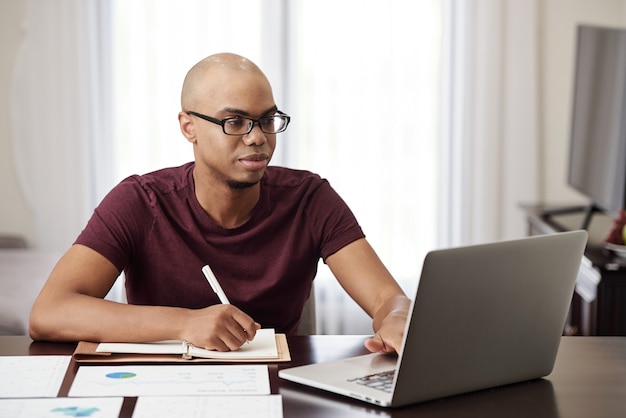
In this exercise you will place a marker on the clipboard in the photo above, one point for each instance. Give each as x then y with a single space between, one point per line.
85 353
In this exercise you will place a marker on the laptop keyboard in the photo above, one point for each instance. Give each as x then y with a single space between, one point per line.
381 381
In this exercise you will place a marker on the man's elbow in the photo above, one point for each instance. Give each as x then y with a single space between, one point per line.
35 327
39 327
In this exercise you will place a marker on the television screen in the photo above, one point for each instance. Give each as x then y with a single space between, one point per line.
597 165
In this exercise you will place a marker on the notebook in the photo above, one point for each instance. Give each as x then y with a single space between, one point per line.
263 347
267 347
483 316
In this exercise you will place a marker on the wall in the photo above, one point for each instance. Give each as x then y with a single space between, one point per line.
15 215
558 19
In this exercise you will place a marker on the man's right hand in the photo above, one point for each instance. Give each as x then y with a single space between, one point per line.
219 327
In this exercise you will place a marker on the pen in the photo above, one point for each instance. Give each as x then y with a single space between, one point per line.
215 285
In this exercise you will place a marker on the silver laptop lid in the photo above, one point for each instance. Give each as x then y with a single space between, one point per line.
488 315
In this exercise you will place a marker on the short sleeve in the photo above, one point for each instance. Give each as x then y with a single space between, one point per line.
120 223
331 217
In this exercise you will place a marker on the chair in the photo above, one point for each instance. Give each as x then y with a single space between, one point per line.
308 321
12 241
23 272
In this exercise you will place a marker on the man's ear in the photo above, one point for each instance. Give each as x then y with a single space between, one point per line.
187 126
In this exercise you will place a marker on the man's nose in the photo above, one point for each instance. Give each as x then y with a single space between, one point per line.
256 136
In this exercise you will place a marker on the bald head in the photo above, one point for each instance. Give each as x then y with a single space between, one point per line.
210 72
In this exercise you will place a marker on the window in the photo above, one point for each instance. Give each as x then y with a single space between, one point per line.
155 45
360 79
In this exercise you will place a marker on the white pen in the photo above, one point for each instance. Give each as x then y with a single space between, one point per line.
215 285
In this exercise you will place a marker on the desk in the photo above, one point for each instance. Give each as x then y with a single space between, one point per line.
589 380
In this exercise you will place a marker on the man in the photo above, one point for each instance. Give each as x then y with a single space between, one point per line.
261 229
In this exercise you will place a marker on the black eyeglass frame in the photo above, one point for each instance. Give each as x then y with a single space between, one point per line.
222 122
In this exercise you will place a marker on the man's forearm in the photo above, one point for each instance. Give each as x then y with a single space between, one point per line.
89 318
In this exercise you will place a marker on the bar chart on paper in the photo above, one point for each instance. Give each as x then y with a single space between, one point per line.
171 380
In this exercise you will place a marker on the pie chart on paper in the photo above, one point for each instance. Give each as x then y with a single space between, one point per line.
121 375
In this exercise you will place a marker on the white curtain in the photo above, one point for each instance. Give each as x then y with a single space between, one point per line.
61 119
364 100
490 139
62 92
357 81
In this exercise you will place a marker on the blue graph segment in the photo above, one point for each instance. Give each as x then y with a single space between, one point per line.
75 411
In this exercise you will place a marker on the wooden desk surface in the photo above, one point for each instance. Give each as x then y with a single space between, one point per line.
589 380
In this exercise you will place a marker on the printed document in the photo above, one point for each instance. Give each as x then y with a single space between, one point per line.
171 380
61 407
32 376
216 406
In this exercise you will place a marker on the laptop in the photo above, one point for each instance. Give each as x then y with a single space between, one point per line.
483 316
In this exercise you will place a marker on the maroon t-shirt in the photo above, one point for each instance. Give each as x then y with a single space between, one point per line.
153 228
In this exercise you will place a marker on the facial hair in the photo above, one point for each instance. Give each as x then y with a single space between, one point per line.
238 185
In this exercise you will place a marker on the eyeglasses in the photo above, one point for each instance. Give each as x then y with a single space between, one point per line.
239 125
